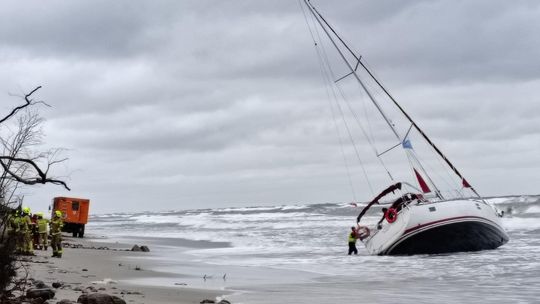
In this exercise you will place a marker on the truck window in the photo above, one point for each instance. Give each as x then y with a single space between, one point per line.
75 206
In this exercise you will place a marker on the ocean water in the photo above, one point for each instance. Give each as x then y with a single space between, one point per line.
297 254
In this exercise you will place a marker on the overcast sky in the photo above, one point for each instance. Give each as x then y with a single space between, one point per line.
199 104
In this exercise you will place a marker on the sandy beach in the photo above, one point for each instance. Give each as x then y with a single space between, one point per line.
97 266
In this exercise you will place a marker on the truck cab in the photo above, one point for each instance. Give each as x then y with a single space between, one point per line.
75 213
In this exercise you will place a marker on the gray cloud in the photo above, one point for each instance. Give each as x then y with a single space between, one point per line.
207 103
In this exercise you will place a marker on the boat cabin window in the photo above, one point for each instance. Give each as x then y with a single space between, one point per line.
75 206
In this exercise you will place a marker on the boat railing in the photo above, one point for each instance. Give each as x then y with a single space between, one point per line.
405 205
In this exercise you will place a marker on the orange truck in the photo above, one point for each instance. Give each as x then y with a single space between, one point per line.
75 213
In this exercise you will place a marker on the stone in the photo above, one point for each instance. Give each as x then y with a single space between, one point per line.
57 284
206 301
145 249
223 302
91 288
65 301
39 284
43 293
99 298
135 248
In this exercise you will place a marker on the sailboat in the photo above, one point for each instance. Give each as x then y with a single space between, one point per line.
420 218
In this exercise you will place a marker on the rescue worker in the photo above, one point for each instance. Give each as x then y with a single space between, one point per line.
42 224
35 233
13 228
56 225
353 236
25 226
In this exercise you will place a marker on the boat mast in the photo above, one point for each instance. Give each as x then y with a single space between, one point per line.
319 17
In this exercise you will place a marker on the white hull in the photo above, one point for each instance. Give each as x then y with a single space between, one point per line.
439 227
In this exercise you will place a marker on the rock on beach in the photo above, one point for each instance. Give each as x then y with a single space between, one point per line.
99 298
43 293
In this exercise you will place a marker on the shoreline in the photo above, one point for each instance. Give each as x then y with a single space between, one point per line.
92 265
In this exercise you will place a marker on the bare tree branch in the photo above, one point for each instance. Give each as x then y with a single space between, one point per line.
16 109
40 179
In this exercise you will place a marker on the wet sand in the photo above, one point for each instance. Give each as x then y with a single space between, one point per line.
107 270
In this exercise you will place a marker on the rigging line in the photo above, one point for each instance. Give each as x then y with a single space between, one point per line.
412 160
307 22
327 83
325 63
412 166
351 137
340 140
359 123
365 89
451 181
389 149
376 92
370 133
328 87
355 115
421 167
446 177
353 72
373 100
436 172
314 10
407 134
370 129
393 100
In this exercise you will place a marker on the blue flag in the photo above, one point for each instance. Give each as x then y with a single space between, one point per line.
407 144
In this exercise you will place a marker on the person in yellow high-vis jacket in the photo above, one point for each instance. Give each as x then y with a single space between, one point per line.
13 228
42 224
25 230
353 236
56 225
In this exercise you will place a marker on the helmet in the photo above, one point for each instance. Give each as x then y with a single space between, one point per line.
26 210
58 213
